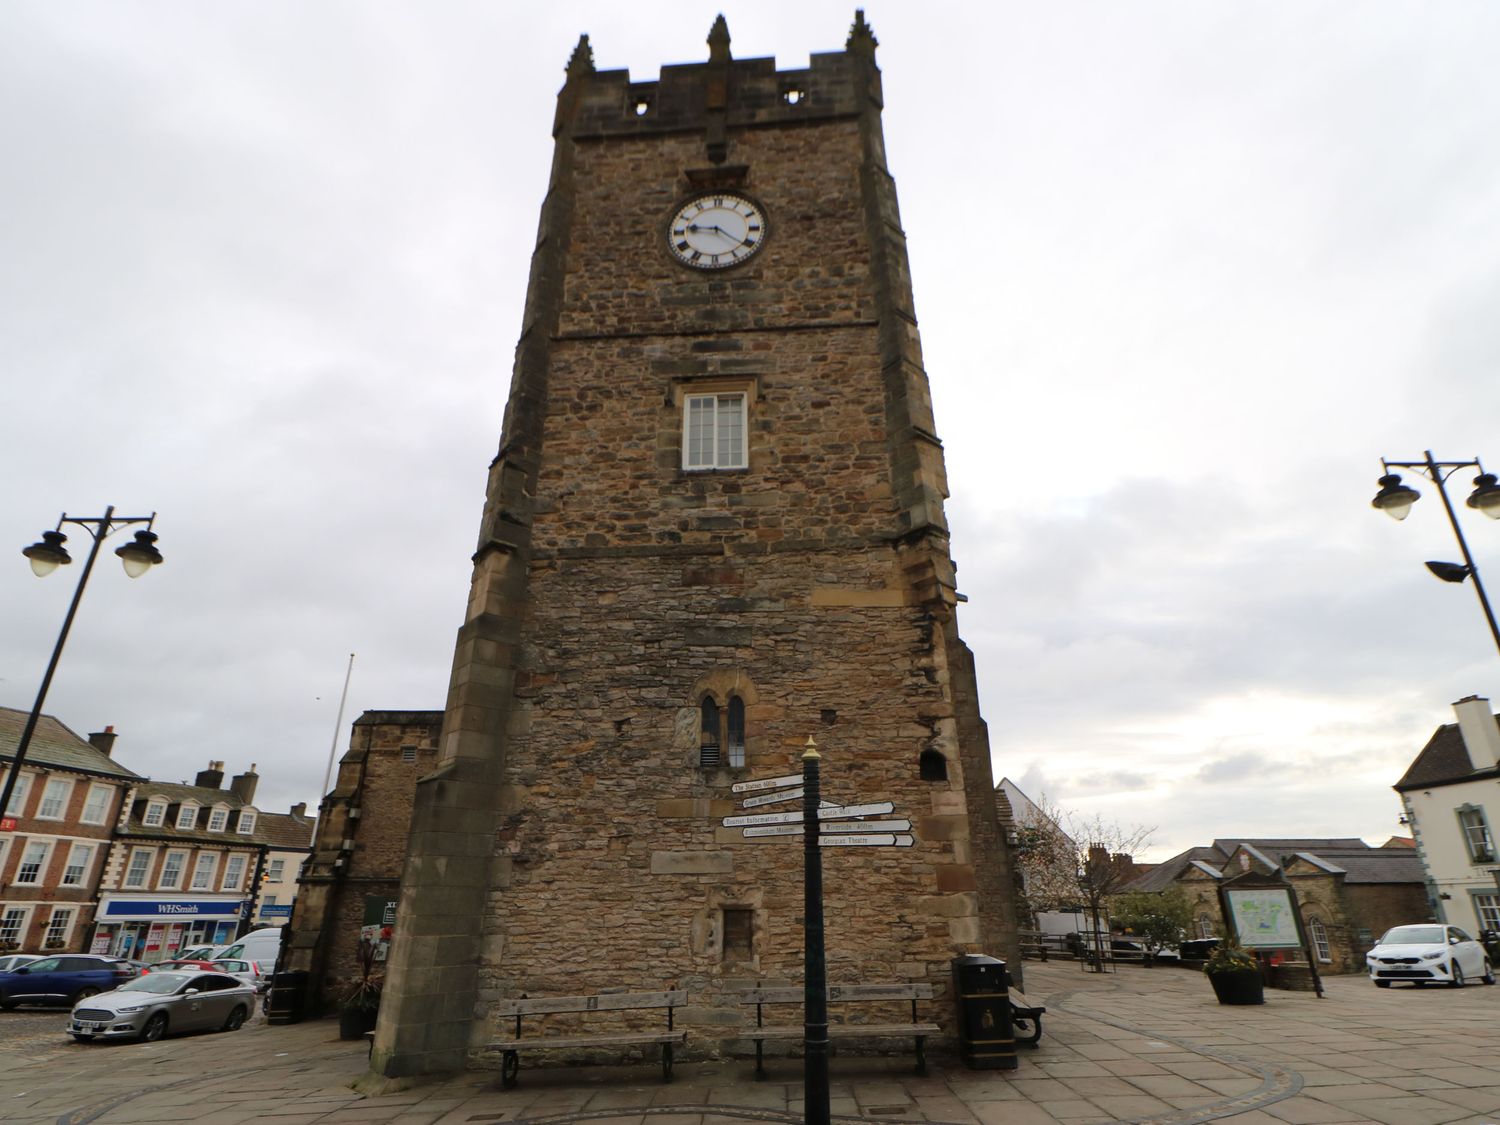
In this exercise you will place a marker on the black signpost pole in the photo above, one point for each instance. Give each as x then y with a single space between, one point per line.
815 996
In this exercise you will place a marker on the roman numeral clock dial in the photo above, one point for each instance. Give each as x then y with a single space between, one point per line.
717 230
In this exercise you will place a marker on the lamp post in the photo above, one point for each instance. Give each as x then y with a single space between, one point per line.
138 556
1395 500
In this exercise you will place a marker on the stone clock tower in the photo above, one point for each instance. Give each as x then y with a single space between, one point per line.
714 527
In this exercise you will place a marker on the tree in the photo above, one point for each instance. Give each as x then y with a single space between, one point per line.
1066 860
1159 919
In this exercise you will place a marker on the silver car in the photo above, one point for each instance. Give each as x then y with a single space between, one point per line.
149 1007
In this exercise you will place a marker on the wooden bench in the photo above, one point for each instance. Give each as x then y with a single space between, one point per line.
842 994
510 1064
1027 1016
1033 944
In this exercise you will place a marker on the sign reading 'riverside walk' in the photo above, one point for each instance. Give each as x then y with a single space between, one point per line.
856 833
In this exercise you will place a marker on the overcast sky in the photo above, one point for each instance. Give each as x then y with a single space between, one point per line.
1185 272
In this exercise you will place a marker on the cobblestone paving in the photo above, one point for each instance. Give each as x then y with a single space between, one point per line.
1150 1047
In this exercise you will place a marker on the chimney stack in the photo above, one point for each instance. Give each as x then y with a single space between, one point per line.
104 740
299 810
1477 726
243 785
211 778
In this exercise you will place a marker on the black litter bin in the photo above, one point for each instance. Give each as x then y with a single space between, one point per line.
286 1002
986 1037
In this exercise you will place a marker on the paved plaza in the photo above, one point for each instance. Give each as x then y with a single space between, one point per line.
1138 1045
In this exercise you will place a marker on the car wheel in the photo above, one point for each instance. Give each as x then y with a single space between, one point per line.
1382 984
1489 972
236 1019
1458 976
8 1005
155 1028
84 994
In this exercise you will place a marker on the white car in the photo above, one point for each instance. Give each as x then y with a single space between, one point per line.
16 960
1428 953
252 973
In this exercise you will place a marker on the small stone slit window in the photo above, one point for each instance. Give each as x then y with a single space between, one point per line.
739 931
933 766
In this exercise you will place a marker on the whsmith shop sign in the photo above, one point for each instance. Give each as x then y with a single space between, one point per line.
140 909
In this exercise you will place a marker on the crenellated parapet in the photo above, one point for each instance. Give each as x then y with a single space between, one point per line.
720 92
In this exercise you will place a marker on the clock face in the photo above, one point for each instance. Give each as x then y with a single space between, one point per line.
716 230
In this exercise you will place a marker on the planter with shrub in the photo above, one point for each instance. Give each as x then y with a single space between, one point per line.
1235 975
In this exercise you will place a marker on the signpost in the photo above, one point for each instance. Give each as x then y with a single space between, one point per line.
821 824
815 1107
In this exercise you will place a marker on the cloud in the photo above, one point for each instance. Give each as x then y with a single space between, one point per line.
264 268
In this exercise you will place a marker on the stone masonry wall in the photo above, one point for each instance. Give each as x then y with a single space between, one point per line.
358 855
618 863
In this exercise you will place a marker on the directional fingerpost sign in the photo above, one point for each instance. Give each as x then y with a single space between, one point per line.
839 826
773 798
761 831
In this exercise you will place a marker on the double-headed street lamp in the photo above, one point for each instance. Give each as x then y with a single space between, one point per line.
1395 500
138 556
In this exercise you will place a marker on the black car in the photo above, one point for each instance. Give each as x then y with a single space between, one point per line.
62 980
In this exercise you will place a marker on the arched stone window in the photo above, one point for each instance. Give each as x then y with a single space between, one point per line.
734 737
1319 935
1205 926
708 743
721 740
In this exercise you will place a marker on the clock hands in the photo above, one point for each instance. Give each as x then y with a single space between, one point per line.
696 227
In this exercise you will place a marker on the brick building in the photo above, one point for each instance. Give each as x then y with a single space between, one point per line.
713 529
360 845
186 864
63 812
1349 892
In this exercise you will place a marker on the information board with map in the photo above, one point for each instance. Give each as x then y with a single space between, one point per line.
1264 918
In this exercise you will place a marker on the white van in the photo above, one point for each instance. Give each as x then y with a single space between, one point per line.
258 945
